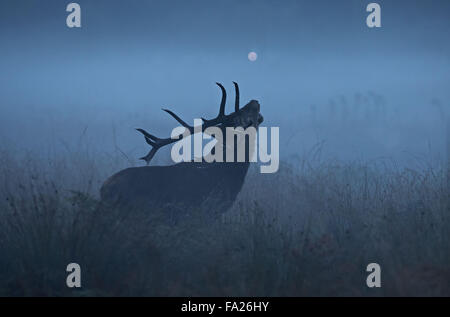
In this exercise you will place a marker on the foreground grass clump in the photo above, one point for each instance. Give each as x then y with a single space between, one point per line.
310 229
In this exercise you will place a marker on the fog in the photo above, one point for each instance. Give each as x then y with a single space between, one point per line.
363 117
325 78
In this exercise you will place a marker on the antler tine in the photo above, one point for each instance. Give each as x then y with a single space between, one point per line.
180 121
221 116
149 138
156 144
236 103
223 101
149 156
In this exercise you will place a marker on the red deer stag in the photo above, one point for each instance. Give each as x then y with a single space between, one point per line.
188 184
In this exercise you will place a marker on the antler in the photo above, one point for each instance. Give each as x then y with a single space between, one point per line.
156 143
236 102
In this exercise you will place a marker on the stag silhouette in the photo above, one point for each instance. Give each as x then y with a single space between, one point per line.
188 184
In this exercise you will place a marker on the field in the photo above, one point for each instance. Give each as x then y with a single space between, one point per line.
310 229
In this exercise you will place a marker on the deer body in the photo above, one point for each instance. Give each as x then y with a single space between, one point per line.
186 185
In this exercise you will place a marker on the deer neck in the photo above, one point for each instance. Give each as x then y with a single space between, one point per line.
237 148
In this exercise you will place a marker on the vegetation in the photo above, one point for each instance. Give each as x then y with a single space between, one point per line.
310 229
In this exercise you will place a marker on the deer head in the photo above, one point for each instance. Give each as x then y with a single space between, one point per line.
245 117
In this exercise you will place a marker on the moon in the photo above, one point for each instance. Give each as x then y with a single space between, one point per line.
252 56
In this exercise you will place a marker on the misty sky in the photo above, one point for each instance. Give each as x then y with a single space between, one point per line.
130 58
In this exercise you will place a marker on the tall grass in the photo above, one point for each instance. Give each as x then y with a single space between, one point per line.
310 229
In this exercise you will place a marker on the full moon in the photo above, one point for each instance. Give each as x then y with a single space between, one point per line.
252 56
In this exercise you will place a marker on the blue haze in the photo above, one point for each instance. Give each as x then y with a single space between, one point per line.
130 58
